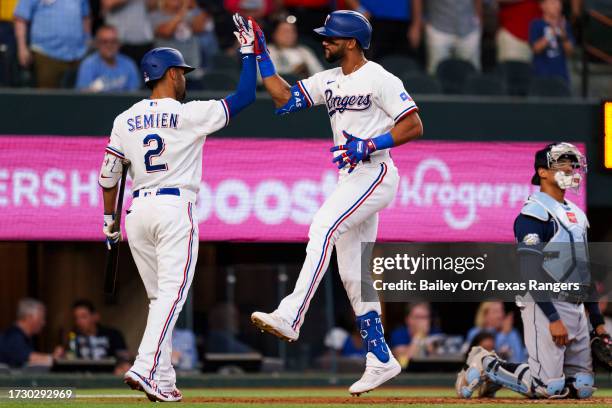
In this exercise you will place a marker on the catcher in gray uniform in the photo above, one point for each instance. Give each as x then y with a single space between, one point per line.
556 328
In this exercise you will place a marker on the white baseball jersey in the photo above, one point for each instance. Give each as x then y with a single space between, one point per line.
365 104
163 139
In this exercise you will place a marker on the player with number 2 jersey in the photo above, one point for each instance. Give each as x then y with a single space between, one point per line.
163 139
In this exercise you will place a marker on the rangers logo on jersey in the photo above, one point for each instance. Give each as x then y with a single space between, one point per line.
340 104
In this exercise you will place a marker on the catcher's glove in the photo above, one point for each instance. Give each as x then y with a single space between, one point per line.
601 345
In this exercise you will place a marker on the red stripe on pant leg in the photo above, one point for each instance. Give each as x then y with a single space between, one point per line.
185 272
308 294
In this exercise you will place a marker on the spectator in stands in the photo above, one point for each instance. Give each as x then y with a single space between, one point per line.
92 341
223 330
346 343
16 347
492 318
7 40
59 32
209 43
176 25
453 29
410 340
131 18
257 9
483 339
106 70
184 349
513 34
551 41
288 56
393 21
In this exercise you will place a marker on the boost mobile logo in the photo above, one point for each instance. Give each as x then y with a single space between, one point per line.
464 197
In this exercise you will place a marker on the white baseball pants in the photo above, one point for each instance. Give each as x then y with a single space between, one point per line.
163 238
347 218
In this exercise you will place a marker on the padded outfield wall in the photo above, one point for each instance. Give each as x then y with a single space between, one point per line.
449 118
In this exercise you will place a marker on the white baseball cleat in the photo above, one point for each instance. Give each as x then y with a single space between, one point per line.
472 375
275 325
376 374
150 388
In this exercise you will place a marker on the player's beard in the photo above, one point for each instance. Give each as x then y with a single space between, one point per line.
180 93
333 57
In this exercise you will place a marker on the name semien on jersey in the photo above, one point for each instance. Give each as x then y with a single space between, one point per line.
153 120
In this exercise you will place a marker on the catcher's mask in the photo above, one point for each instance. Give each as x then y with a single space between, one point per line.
555 156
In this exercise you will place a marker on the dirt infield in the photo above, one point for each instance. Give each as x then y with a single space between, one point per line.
356 401
337 396
391 400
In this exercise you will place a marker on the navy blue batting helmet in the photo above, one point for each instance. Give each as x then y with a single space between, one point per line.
347 23
156 62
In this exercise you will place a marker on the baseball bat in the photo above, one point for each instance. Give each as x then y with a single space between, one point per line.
112 257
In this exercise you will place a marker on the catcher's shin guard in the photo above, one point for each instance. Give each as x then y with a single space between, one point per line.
513 376
581 385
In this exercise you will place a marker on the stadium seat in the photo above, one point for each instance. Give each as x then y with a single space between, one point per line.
548 86
453 73
416 83
399 65
218 81
517 76
484 85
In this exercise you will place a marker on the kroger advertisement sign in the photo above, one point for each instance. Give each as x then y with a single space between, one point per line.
269 190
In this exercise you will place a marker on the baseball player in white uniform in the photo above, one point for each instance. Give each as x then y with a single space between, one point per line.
163 139
370 112
555 324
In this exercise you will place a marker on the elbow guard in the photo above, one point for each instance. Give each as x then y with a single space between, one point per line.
297 101
110 173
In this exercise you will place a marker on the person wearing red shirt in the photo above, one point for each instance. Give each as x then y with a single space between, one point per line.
513 33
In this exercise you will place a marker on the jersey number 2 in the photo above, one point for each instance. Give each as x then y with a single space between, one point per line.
155 152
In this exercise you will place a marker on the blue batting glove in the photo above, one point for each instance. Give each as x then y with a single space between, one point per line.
355 151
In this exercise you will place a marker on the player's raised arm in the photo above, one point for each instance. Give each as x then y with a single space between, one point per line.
287 98
245 94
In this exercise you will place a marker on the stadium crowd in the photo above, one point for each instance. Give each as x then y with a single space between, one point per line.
491 47
418 338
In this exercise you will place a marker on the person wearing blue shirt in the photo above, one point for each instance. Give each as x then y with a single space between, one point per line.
492 318
106 70
16 346
409 339
59 31
551 41
398 25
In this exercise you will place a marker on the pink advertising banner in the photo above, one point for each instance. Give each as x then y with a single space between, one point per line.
269 190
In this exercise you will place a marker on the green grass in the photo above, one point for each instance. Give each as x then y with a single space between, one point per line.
275 398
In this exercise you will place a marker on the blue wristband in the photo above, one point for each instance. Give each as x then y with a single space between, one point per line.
384 141
266 66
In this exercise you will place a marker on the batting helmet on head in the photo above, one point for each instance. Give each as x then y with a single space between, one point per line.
347 23
156 62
